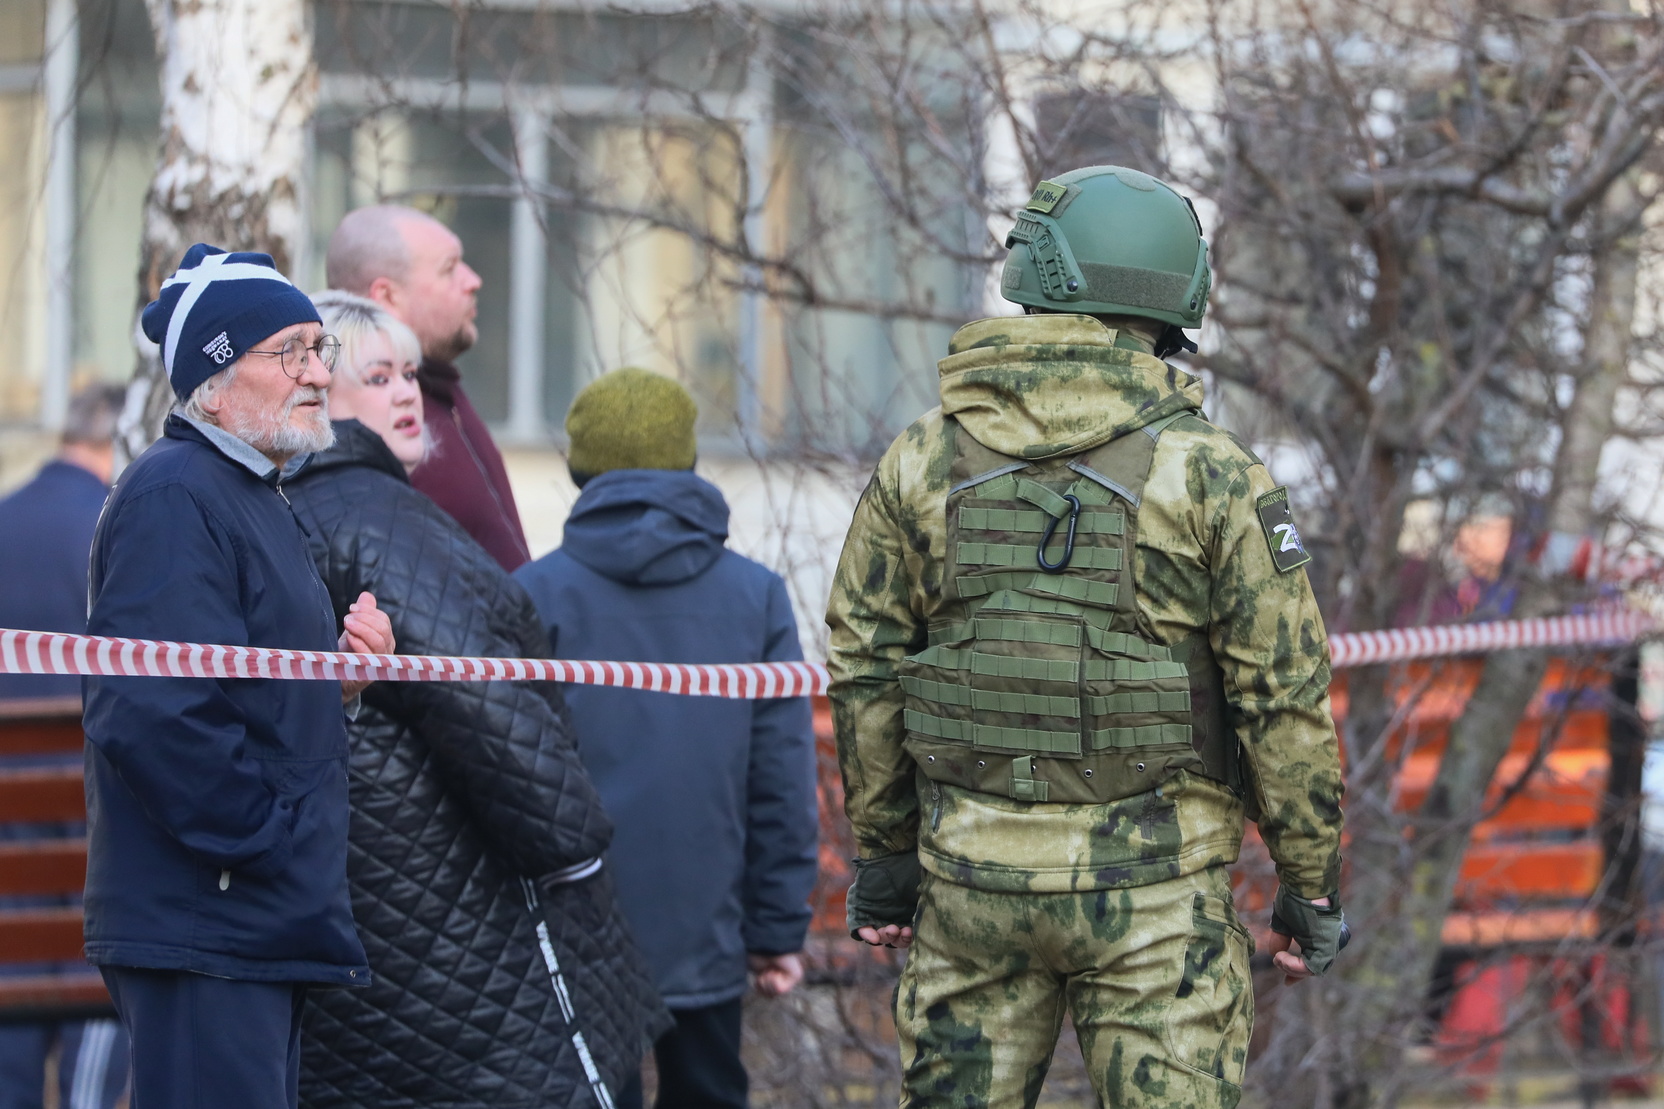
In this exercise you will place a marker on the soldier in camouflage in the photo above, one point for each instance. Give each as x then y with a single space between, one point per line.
1072 645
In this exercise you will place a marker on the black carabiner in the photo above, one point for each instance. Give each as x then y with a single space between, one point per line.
1068 541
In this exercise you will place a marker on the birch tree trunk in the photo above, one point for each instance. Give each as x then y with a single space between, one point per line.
239 85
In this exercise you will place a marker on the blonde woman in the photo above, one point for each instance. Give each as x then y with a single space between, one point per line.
473 822
375 376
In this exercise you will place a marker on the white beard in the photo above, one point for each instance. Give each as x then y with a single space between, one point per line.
273 434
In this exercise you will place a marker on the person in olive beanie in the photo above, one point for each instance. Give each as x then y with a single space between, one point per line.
714 800
631 419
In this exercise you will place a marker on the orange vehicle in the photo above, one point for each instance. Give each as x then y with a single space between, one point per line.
1537 855
1544 896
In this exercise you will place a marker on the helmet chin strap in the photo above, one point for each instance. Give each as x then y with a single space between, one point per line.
1173 339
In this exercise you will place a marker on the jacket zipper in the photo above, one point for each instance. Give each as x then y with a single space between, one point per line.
329 607
935 805
277 487
479 464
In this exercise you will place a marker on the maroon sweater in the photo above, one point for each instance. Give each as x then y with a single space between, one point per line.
464 474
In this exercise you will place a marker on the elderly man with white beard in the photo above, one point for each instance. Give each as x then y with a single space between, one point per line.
217 808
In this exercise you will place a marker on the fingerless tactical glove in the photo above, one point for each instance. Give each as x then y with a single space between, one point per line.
1319 930
886 891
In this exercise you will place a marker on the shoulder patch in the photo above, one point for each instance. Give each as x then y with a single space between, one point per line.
1288 551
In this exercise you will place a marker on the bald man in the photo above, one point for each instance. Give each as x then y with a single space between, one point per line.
411 264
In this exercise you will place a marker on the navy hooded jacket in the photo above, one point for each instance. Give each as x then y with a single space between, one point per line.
216 809
45 535
713 800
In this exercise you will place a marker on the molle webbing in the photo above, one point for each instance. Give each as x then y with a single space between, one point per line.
1015 555
1043 670
1100 594
1037 657
1052 706
1037 742
1025 522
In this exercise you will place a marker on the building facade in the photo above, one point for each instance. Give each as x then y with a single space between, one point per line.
657 189
784 206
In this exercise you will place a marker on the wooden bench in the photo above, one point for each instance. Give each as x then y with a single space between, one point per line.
54 867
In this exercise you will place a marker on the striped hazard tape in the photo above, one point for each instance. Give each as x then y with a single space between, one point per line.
1441 640
26 652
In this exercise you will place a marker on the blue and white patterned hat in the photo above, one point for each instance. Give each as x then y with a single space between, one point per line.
215 307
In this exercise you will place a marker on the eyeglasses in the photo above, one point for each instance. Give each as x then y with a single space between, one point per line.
296 351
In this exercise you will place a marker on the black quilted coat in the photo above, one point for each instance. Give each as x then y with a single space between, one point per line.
468 803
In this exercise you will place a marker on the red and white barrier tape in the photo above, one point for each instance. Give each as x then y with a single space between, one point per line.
50 653
23 652
1402 644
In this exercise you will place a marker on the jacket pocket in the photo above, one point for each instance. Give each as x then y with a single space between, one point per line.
301 913
1137 714
1136 694
1211 1017
937 699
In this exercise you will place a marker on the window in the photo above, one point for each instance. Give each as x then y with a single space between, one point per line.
115 130
437 162
863 350
658 289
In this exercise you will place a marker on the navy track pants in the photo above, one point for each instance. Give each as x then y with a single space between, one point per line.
209 1043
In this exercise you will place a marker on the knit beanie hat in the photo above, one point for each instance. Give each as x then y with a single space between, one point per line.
215 307
631 419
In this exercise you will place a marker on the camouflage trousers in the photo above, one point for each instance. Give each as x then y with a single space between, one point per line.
1155 979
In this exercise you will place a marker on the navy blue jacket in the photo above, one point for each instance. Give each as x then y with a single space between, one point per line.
45 535
217 809
713 800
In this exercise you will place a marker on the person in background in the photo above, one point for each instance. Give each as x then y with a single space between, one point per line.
45 535
473 821
411 264
714 799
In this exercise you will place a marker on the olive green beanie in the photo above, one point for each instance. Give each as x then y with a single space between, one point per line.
631 419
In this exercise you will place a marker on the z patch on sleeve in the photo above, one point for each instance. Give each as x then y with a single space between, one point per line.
1287 550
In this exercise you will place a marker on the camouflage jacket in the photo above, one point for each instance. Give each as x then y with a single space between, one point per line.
1041 387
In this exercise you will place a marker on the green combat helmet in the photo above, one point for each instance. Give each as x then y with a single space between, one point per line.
1107 240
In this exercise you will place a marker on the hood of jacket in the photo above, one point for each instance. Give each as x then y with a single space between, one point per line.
355 445
1048 385
647 527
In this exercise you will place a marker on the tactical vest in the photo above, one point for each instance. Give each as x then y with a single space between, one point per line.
1041 681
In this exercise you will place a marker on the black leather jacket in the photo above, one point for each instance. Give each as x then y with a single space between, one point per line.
468 803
